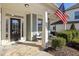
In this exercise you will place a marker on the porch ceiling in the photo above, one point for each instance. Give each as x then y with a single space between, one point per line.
33 7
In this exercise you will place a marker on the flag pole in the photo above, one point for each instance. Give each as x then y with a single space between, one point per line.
65 26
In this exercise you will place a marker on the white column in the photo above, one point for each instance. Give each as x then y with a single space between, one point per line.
0 26
9 29
31 28
45 31
37 23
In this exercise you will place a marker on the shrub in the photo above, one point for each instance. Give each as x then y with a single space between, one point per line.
66 35
77 34
61 35
73 34
53 33
76 40
58 42
72 27
69 35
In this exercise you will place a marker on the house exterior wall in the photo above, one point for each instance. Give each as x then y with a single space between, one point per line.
4 18
61 27
77 26
20 10
71 14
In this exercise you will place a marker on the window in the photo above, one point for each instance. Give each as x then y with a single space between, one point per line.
22 30
77 15
54 27
39 24
48 24
34 24
6 25
6 29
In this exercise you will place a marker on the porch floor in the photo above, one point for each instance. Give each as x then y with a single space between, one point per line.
23 49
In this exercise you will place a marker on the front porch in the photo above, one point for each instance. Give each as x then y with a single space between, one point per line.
28 15
23 49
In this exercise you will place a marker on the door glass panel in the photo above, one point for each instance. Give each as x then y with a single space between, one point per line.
15 29
39 24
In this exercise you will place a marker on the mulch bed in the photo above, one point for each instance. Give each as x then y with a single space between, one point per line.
73 45
66 51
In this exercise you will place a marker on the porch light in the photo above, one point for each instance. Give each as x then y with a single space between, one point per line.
26 5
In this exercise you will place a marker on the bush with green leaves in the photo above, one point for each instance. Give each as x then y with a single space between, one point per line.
58 42
66 35
75 34
69 35
75 40
62 35
72 27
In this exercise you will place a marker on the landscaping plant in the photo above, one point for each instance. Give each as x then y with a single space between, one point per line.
58 42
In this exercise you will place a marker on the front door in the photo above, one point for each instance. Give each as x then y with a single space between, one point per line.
15 29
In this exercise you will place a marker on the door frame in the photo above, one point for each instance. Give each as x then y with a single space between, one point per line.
10 27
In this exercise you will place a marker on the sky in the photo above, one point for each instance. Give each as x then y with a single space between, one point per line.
67 5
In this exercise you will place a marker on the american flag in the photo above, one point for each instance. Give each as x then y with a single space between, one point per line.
61 13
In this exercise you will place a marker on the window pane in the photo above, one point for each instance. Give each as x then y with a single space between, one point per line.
6 25
39 24
77 15
22 30
6 29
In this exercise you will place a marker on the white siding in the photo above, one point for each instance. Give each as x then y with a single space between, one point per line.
61 27
71 14
77 26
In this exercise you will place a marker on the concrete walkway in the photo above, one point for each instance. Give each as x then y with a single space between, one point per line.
22 49
42 53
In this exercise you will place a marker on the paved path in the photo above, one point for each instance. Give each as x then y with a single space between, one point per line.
22 49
